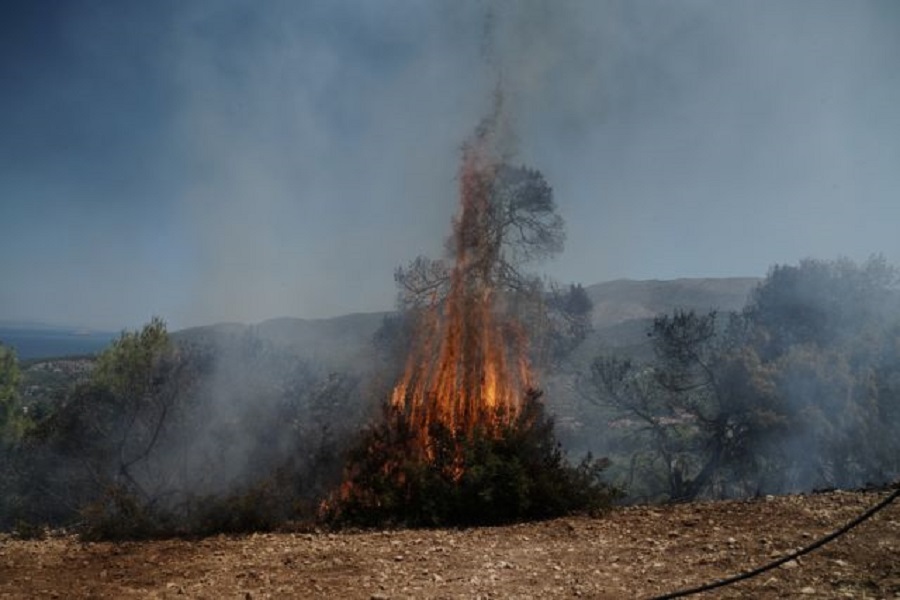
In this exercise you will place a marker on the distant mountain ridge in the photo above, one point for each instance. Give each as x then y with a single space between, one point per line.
625 299
621 310
624 309
339 343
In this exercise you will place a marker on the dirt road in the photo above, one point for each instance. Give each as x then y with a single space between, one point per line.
632 553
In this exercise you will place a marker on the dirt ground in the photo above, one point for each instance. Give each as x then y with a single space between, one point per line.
632 553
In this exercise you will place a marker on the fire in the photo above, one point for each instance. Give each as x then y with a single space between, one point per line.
468 368
467 395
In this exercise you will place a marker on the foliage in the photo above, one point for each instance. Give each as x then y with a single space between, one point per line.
14 424
522 226
566 323
13 419
797 391
518 226
822 303
702 408
192 437
519 475
96 453
800 390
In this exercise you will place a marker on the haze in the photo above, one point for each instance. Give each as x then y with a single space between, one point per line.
239 160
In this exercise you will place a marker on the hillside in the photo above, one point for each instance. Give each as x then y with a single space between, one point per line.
621 311
340 343
637 552
623 300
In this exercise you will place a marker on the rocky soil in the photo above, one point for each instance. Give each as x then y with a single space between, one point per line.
635 552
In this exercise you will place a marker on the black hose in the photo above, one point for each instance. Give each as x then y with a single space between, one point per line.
768 567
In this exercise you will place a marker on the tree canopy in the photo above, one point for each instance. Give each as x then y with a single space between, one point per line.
797 391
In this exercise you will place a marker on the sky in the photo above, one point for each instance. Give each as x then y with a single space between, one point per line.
240 160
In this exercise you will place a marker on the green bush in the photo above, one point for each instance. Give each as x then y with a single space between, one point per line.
519 474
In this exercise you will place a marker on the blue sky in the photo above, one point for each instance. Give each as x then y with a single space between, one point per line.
241 160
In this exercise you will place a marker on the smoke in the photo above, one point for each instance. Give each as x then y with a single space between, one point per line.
252 161
679 136
684 139
798 391
312 158
325 151
240 161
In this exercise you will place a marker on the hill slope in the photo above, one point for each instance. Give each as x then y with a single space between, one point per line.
625 299
621 308
621 311
339 344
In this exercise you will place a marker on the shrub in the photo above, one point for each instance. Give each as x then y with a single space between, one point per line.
120 515
518 474
256 508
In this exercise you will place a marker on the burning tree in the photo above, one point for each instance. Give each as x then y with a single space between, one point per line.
469 366
464 427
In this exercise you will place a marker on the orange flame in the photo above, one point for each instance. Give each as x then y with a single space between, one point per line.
469 367
468 370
